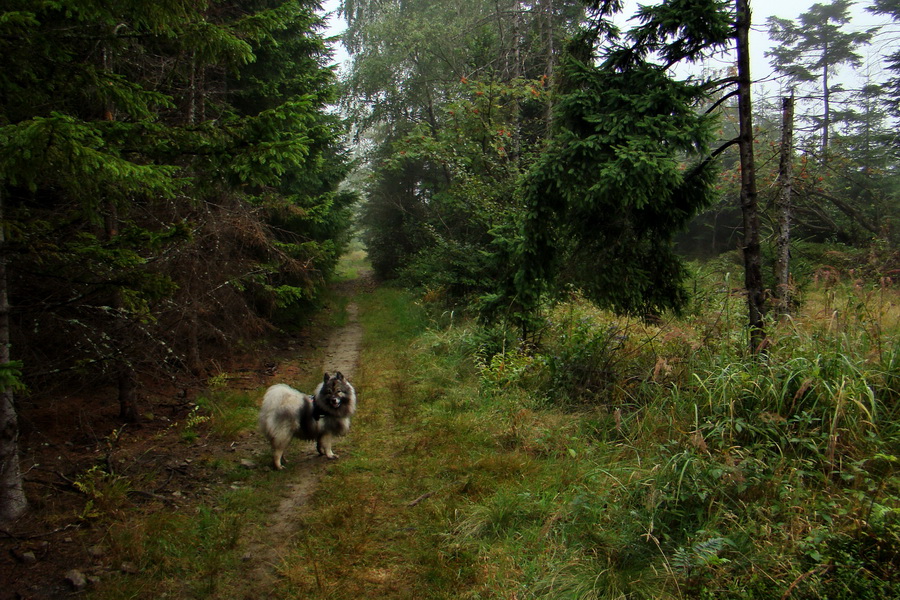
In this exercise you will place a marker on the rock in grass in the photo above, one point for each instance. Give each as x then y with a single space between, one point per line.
27 556
76 579
129 568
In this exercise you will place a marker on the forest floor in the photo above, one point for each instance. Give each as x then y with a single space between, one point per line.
75 451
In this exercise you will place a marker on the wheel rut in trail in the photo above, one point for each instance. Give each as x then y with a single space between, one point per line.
304 467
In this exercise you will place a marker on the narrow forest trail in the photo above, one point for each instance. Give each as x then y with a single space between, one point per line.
268 544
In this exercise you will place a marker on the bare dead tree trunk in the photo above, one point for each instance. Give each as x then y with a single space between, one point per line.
783 209
12 495
501 22
753 281
127 384
195 111
518 65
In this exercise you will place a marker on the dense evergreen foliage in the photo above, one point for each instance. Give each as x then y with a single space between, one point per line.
626 169
169 176
462 169
891 8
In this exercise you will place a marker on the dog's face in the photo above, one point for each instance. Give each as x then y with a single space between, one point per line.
335 390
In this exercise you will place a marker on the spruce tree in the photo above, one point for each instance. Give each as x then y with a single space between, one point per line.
169 172
812 51
626 167
891 8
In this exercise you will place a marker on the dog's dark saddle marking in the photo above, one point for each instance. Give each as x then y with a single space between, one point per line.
317 412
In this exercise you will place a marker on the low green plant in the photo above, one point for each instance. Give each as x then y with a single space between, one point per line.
106 493
502 369
743 466
189 432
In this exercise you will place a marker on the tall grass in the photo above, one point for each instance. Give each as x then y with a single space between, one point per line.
687 468
774 459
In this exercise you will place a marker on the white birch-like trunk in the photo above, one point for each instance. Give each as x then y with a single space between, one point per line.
12 495
783 209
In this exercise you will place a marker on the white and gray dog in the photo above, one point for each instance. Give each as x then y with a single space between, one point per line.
287 413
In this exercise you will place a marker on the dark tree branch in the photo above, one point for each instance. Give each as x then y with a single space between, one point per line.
718 102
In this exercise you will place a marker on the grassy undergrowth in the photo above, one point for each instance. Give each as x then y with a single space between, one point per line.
614 460
618 460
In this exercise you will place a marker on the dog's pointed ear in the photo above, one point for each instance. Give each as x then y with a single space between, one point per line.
339 376
326 378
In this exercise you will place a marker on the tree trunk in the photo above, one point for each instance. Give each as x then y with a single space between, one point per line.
193 353
550 24
826 97
753 281
518 64
127 384
783 207
126 380
192 93
12 495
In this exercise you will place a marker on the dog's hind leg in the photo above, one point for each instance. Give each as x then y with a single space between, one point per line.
323 445
277 453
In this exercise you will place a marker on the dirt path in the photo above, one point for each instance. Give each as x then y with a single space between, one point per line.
266 548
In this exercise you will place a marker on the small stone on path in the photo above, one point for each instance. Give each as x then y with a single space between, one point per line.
76 579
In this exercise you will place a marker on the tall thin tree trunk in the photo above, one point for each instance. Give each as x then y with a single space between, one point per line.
518 65
127 384
193 353
783 208
502 43
826 97
192 92
753 281
126 380
550 24
124 374
12 495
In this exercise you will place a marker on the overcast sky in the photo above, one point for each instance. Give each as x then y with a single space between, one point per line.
760 66
759 43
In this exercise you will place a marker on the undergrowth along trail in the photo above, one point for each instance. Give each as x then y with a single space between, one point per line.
618 460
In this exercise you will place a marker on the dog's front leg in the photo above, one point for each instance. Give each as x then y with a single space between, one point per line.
323 445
